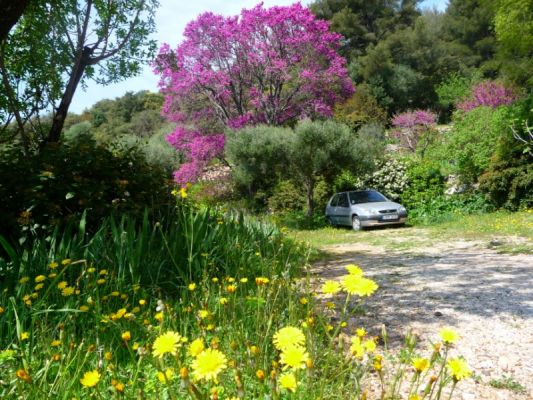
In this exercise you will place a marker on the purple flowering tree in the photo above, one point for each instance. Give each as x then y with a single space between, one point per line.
267 65
489 94
413 129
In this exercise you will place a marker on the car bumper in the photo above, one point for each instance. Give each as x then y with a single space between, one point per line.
378 221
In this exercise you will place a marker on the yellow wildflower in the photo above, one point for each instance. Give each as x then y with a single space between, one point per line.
40 278
288 336
420 364
223 301
126 336
167 376
354 284
55 343
208 364
458 368
294 357
166 343
288 381
24 336
354 270
24 280
196 347
68 291
66 261
330 287
52 265
62 285
261 280
448 336
192 286
90 379
23 375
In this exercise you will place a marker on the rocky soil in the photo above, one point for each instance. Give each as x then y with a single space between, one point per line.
487 297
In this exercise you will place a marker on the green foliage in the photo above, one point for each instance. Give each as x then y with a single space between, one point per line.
286 196
62 181
362 108
258 156
443 207
57 45
508 180
426 183
323 149
473 138
508 382
131 114
455 88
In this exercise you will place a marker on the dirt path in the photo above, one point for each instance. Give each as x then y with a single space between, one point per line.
487 297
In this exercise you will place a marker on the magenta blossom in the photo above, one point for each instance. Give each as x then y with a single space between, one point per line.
267 65
412 127
490 94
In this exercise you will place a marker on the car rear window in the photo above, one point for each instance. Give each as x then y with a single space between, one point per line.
369 196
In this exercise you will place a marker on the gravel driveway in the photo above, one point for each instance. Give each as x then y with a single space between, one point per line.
487 297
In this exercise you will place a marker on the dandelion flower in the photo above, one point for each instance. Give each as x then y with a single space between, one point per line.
23 375
448 336
196 347
354 270
166 376
52 265
369 345
357 348
330 287
24 336
192 286
66 261
288 381
223 301
166 343
40 278
39 286
420 364
260 374
361 332
62 285
458 368
294 357
55 343
68 291
261 280
208 364
354 284
288 336
90 379
126 336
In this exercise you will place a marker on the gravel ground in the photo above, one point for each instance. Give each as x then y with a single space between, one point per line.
487 297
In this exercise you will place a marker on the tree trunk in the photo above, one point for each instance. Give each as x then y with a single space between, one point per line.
12 10
310 198
82 61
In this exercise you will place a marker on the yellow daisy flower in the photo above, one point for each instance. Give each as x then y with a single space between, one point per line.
330 287
288 381
458 368
166 343
208 364
90 379
294 357
288 336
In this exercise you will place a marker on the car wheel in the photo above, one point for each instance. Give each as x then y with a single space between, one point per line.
356 223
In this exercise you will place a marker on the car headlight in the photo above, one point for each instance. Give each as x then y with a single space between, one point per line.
373 212
402 209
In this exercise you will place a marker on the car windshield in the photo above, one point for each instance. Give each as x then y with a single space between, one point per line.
368 196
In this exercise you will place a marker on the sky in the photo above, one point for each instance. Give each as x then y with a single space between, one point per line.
171 18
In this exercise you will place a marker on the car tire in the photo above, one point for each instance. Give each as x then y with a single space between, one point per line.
356 223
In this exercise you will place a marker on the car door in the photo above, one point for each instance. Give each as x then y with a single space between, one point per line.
330 211
342 211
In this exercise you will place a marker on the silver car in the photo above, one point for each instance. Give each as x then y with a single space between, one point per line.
364 208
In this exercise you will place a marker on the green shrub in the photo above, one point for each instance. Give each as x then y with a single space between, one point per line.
286 197
473 139
426 182
443 207
63 180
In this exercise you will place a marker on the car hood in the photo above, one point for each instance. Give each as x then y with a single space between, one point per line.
378 206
